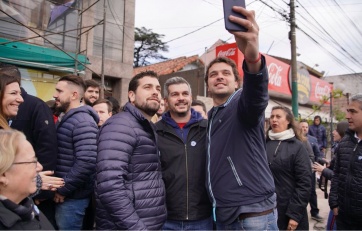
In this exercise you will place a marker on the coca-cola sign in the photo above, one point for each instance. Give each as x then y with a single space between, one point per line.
274 71
321 91
228 52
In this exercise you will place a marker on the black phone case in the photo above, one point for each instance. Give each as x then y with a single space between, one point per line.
228 4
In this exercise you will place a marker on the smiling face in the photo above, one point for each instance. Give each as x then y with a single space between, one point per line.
11 100
179 99
91 95
21 176
147 96
278 121
221 82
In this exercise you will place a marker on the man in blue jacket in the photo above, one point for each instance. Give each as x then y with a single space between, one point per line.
181 141
130 193
319 131
77 151
239 180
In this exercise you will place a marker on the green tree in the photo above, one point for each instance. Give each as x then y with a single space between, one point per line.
147 47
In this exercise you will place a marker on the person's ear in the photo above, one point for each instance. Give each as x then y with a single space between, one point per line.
4 180
131 96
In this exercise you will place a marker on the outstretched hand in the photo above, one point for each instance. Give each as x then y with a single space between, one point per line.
50 182
248 42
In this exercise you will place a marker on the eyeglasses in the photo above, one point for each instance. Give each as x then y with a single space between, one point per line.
35 161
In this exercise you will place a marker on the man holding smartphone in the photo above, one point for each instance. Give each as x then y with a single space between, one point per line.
239 181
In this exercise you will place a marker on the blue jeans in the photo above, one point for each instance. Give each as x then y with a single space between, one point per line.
265 222
69 214
206 224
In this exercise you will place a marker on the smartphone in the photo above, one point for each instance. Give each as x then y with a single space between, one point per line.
228 5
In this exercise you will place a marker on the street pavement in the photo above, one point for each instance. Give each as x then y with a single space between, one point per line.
323 211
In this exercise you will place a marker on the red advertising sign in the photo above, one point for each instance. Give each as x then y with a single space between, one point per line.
310 88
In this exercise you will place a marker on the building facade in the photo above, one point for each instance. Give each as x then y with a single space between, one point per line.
48 39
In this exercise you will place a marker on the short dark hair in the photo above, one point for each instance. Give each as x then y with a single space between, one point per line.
133 84
92 83
342 128
107 102
75 80
229 62
197 102
116 107
303 121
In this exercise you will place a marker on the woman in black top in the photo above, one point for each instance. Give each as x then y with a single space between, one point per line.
289 162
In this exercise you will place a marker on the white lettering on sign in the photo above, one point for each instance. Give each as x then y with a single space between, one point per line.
321 91
274 74
229 52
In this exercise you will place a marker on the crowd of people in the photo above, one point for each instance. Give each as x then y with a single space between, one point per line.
83 162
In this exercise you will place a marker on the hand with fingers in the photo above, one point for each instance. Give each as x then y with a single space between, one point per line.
50 182
248 41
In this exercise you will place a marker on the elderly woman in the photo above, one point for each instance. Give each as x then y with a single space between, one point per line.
18 172
289 162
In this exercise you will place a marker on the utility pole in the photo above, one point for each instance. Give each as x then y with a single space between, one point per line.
103 49
293 64
331 113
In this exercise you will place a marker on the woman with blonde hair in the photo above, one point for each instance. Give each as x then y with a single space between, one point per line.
18 178
291 167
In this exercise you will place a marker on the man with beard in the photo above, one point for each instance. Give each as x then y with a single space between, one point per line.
182 144
130 193
77 152
91 93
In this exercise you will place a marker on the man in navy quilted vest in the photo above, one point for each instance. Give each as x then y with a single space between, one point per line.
77 151
130 193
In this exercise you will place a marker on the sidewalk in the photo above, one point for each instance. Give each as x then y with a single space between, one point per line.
323 211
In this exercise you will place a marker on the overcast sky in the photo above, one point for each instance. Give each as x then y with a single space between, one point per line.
334 25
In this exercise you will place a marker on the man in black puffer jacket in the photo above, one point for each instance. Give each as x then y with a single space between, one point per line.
130 193
345 198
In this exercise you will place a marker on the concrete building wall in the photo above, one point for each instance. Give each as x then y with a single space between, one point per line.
118 65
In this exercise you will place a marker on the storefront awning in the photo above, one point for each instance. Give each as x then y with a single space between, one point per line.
30 55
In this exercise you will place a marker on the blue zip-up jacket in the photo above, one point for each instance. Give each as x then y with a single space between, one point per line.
77 151
319 132
237 166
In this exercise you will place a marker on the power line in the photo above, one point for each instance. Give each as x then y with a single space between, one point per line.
194 31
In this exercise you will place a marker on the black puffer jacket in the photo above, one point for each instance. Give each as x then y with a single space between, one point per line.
346 189
290 165
130 192
184 168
